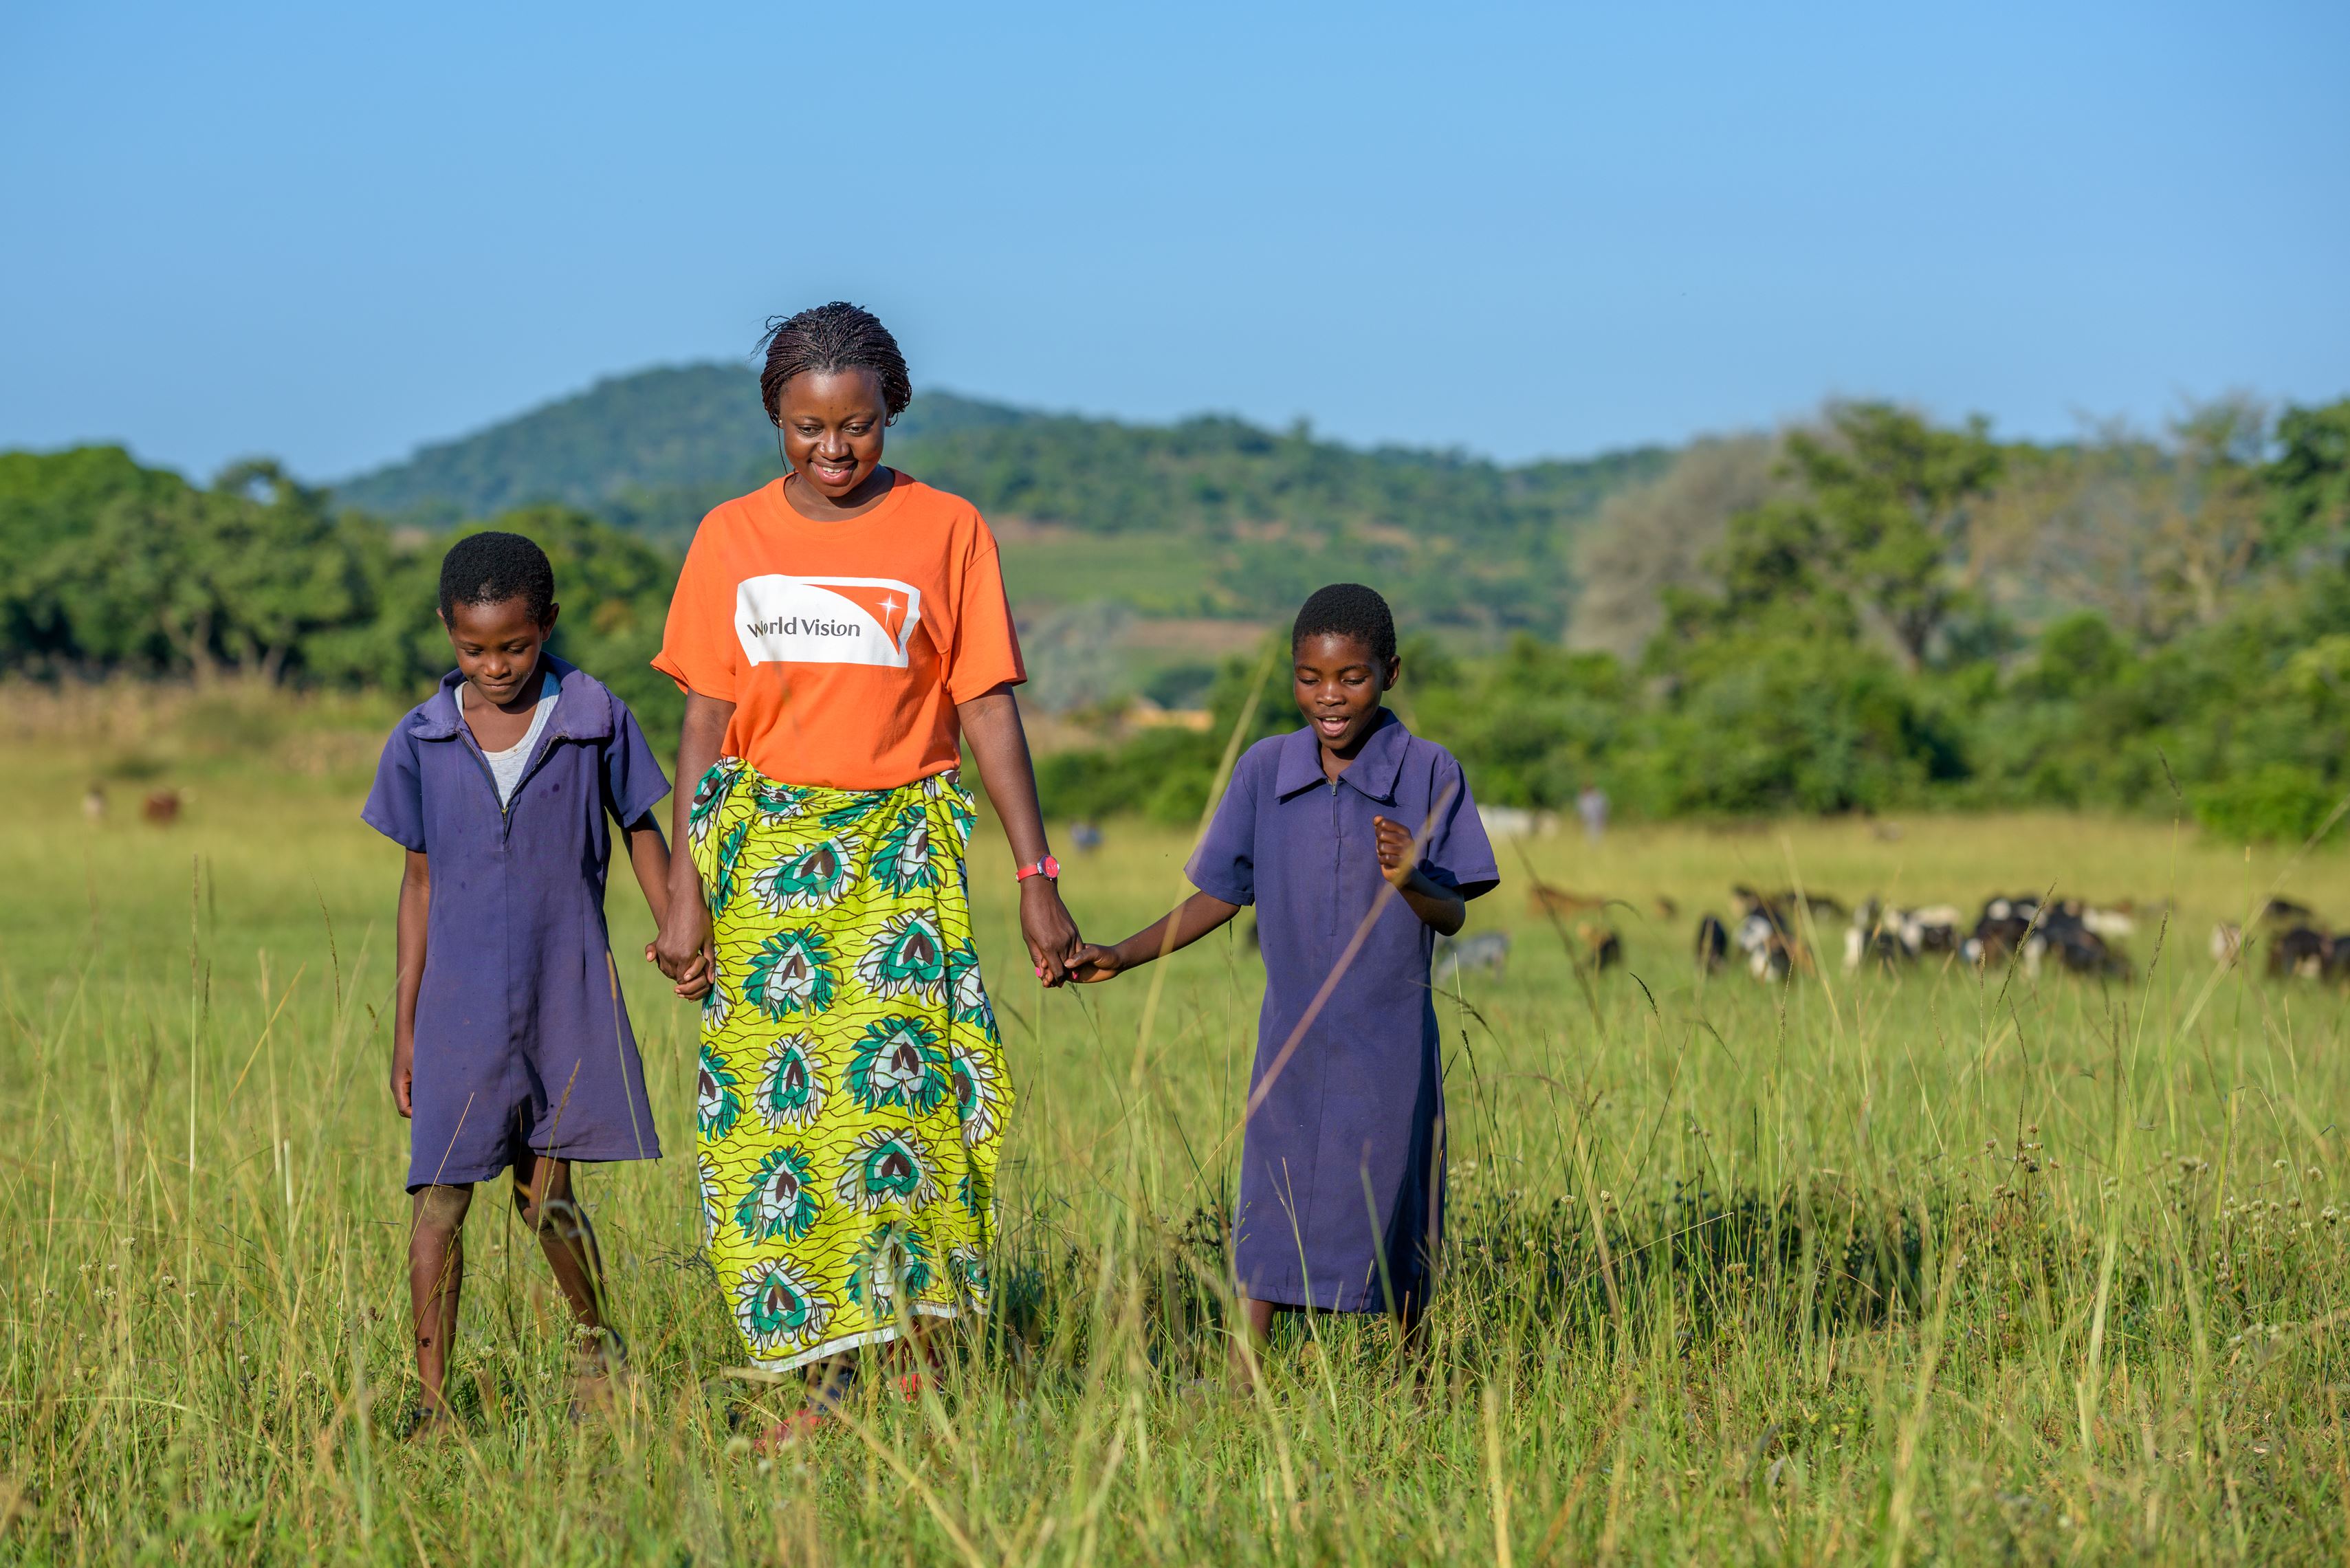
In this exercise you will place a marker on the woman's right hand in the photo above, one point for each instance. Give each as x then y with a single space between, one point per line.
683 948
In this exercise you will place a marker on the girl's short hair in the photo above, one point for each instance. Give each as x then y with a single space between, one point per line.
491 567
1347 609
836 336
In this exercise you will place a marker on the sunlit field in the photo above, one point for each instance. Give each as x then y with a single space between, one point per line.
1945 1266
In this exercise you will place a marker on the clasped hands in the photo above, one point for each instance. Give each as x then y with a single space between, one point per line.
1201 913
683 949
1059 954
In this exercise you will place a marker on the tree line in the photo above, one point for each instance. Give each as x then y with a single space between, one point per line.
113 568
1876 613
1870 612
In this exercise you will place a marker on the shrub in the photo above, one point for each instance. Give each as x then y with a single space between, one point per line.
2281 801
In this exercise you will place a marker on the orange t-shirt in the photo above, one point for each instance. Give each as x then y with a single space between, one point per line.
843 646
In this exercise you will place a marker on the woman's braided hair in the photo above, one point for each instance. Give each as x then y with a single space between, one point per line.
836 336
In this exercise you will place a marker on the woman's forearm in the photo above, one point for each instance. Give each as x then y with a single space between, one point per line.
700 740
681 947
990 723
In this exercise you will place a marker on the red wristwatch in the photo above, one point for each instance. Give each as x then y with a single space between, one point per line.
1047 866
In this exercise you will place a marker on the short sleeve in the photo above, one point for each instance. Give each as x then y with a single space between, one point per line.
1459 855
987 651
395 807
699 648
1224 865
633 781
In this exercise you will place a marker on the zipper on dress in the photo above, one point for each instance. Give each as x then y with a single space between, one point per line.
538 760
474 748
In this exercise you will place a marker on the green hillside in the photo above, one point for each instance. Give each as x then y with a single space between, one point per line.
1209 517
657 448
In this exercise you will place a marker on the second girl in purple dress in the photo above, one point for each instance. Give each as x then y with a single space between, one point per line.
1342 1168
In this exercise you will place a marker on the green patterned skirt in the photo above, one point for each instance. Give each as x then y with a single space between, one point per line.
853 1093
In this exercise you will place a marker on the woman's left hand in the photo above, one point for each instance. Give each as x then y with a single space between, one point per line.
1051 934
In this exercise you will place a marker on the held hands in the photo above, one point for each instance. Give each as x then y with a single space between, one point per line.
694 984
1053 945
682 949
1398 863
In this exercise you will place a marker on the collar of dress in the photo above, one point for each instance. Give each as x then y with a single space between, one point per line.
576 717
1372 772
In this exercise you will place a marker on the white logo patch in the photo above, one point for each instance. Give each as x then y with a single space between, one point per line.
827 620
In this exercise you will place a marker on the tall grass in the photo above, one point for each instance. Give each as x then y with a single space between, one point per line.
1939 1267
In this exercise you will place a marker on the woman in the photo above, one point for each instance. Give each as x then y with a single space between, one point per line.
839 635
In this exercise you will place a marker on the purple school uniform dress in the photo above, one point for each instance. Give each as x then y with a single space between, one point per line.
522 1041
1342 1166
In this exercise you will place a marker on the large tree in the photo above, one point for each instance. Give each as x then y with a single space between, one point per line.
1884 511
2309 481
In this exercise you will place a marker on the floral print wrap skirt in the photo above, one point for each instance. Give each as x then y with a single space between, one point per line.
853 1094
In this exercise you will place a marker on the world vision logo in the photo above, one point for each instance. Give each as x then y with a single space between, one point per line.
827 620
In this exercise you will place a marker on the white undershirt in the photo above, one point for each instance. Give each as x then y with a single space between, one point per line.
506 766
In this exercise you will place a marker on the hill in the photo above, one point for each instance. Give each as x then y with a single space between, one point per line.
1210 516
631 448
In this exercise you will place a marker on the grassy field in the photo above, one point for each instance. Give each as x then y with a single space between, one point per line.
1946 1267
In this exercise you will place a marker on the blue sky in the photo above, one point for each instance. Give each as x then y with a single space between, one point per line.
330 233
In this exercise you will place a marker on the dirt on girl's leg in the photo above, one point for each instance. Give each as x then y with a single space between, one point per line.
436 1275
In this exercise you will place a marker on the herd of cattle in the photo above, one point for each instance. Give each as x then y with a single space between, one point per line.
1772 935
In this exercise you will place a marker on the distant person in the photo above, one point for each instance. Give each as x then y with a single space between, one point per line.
841 634
1342 1164
1592 807
511 1048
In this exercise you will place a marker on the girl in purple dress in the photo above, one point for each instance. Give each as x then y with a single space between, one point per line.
1342 1168
510 1048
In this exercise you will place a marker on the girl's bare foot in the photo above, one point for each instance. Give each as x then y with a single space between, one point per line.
603 1370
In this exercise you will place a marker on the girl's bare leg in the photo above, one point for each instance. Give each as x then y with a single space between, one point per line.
1249 1344
436 1275
1411 1336
542 1197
